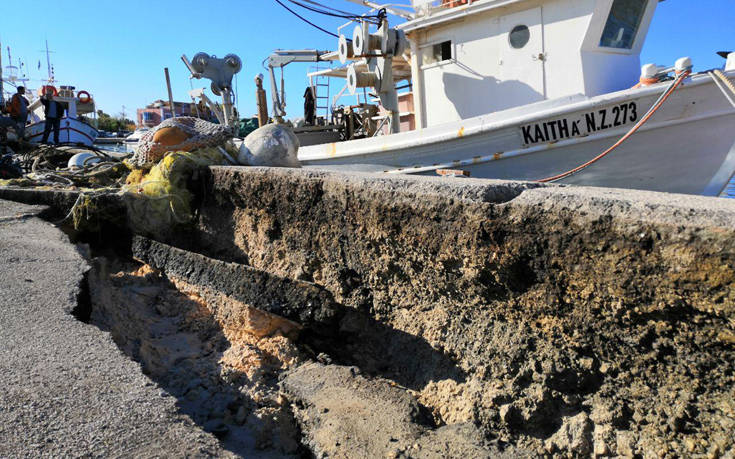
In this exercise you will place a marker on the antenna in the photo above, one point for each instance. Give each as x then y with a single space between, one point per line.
48 64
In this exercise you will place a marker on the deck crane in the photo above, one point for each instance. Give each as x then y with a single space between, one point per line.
281 58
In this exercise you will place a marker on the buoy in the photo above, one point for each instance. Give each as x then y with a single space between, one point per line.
273 145
80 160
45 89
84 97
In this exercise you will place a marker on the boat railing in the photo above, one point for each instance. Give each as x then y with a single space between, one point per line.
427 7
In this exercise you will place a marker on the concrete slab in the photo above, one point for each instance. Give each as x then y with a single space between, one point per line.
67 389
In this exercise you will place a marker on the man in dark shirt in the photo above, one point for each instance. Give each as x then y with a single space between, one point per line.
53 111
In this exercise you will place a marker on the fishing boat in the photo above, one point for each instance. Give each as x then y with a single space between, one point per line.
73 129
544 90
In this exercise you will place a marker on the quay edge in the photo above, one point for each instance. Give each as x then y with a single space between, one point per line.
553 318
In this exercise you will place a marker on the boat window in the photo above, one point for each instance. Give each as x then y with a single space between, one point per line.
622 24
439 52
519 36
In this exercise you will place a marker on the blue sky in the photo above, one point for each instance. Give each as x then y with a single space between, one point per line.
117 50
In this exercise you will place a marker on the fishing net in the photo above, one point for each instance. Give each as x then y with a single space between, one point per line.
178 134
161 199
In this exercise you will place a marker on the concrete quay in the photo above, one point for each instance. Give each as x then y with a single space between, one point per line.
482 318
67 388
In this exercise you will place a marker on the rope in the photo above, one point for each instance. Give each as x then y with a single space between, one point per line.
337 14
724 79
674 84
722 89
717 78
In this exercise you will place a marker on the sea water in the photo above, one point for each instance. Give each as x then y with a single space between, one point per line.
121 147
729 191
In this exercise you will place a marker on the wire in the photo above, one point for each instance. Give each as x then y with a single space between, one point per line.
339 14
328 7
306 20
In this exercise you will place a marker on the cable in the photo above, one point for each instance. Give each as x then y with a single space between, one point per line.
306 20
340 14
637 126
328 7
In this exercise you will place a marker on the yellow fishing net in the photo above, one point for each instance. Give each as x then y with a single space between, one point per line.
160 199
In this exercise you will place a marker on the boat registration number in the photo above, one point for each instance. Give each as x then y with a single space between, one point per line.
579 126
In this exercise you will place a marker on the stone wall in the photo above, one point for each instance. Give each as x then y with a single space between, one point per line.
555 318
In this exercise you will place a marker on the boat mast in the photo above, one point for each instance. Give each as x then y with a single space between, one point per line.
48 65
2 90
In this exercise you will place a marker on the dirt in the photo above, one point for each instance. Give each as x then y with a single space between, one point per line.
222 369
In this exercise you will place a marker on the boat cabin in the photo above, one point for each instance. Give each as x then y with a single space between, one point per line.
469 58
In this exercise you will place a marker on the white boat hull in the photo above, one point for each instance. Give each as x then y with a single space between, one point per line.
71 131
688 146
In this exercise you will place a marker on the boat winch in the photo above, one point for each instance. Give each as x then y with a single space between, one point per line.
376 70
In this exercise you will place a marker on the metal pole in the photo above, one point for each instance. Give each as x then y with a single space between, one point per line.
48 65
170 96
227 107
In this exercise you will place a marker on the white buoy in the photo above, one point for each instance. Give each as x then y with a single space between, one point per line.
272 145
682 64
81 160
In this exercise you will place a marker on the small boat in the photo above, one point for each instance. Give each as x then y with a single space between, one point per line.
528 90
136 135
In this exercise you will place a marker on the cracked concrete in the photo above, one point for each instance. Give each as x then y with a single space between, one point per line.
67 388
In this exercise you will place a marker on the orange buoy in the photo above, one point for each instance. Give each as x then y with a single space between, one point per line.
84 97
45 88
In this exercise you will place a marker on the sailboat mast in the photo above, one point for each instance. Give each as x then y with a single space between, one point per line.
2 90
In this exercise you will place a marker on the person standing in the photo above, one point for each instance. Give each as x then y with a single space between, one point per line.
53 111
19 111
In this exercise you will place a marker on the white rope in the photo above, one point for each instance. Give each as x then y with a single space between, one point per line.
721 88
725 80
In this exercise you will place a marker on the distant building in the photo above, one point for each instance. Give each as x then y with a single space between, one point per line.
154 113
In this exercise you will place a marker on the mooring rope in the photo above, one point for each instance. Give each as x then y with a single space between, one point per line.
654 108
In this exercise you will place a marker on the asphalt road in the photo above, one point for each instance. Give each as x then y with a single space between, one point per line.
66 389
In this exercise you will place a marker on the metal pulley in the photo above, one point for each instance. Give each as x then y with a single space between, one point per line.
345 49
220 71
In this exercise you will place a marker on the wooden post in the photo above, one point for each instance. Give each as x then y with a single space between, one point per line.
262 102
170 96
